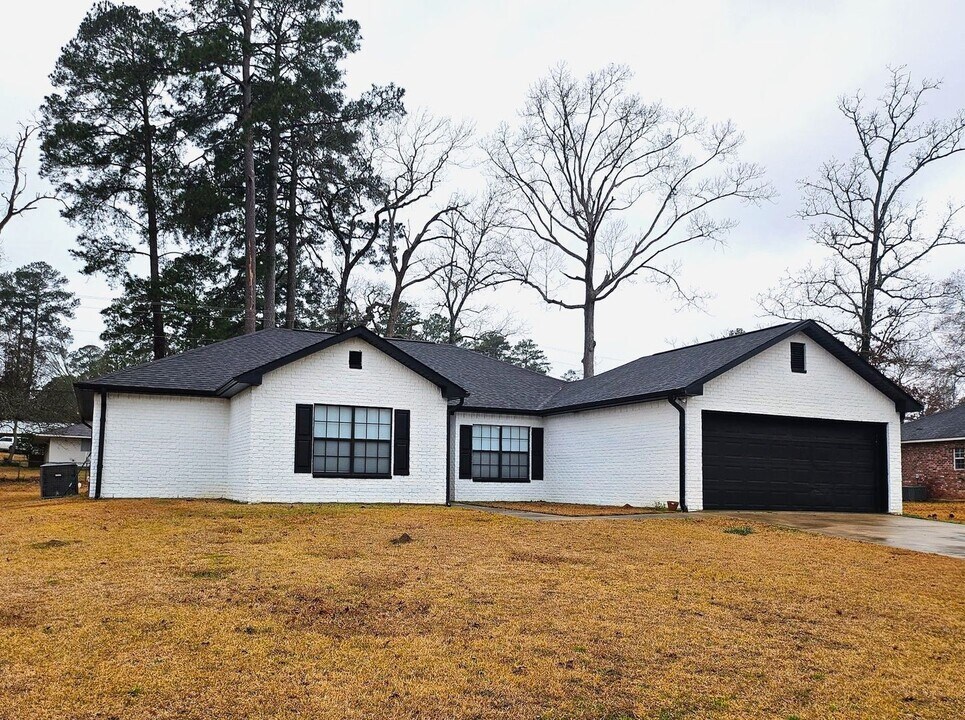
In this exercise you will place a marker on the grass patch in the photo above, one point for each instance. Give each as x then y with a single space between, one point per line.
482 616
740 530
944 510
571 509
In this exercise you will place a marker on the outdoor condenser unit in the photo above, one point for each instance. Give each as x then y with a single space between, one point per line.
58 480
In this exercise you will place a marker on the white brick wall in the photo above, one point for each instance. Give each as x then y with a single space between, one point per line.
163 446
243 448
469 491
326 378
612 456
765 385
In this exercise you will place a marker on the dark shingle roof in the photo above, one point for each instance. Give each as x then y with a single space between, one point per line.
673 370
205 370
223 368
77 430
492 384
944 425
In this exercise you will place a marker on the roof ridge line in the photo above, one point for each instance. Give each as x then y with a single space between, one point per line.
720 339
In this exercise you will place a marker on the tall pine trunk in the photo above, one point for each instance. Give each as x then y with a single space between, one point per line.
251 249
271 229
158 339
291 274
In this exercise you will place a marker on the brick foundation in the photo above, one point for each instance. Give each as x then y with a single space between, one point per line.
930 464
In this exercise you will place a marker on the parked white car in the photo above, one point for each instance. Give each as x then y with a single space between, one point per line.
6 442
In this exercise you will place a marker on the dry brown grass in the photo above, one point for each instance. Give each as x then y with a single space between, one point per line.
569 509
197 609
947 510
14 472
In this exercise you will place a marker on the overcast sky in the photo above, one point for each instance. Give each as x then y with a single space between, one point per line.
774 69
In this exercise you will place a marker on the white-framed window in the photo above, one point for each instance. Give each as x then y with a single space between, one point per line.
958 458
352 441
500 452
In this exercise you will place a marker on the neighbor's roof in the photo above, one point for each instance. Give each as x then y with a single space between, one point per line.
77 430
948 425
481 382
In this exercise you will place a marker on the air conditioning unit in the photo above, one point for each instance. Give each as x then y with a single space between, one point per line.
58 480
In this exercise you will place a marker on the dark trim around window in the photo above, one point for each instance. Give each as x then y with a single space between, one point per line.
352 443
500 453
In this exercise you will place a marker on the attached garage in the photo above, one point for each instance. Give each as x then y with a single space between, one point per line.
767 462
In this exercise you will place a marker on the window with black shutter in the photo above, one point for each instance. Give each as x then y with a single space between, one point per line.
798 362
355 359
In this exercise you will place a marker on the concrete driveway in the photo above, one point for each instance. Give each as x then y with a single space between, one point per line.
930 536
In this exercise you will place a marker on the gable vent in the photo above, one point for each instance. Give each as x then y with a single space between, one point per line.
355 359
798 358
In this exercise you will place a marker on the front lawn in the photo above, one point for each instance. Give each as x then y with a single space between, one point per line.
946 510
207 609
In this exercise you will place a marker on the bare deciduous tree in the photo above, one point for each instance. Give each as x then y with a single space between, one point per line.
420 146
588 155
870 290
470 260
395 168
13 176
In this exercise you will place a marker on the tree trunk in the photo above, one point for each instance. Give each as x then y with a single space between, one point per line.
271 230
589 309
251 249
395 306
399 269
291 279
589 335
158 339
868 302
13 445
341 302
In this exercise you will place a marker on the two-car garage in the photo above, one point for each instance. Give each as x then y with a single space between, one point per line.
767 462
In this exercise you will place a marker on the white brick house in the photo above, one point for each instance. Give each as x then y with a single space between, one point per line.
782 418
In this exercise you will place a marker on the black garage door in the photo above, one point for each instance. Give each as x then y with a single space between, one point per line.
766 462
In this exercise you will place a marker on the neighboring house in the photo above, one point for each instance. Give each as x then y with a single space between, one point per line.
783 418
933 453
70 443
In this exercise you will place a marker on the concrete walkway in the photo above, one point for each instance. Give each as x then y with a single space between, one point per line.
546 517
930 536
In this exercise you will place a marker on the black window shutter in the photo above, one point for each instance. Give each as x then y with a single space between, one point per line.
303 438
536 450
465 452
401 442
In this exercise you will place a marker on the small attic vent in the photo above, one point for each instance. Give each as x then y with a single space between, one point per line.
798 362
355 359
